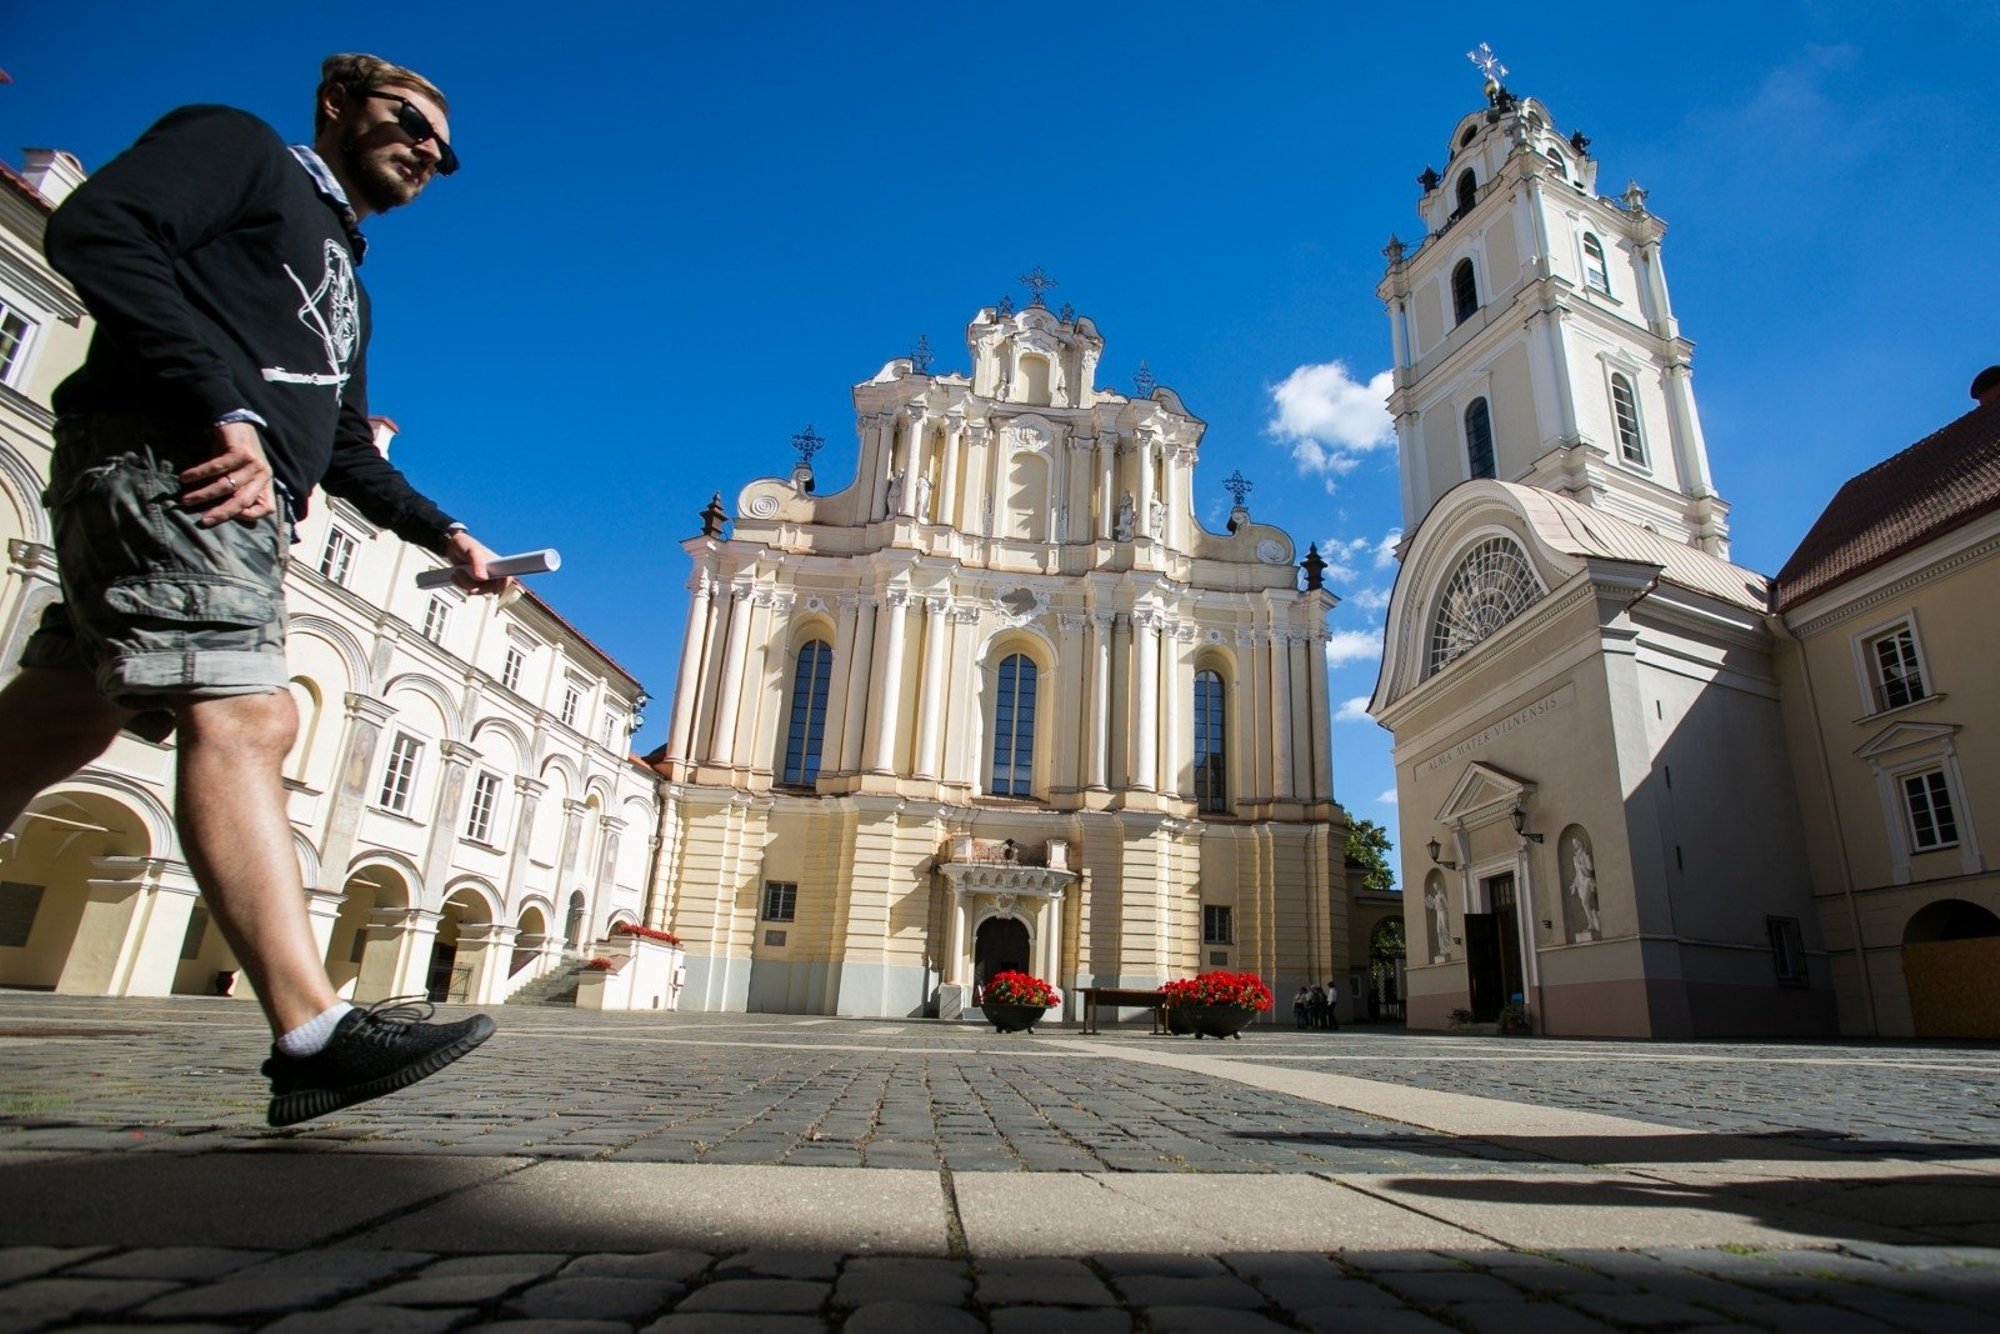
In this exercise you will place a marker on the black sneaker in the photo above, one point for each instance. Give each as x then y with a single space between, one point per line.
374 1051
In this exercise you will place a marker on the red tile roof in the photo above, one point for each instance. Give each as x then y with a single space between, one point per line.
1940 483
15 181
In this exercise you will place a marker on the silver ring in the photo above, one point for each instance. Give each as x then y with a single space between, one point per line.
229 479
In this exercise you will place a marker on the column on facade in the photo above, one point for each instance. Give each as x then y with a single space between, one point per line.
572 841
1118 732
885 690
911 456
128 936
1176 707
1073 734
486 949
1278 656
729 693
700 630
1145 710
946 509
396 960
995 475
366 717
1097 732
768 610
839 682
458 758
1107 484
322 914
930 718
1301 714
1552 329
1142 506
960 765
1322 739
854 722
954 936
877 463
529 792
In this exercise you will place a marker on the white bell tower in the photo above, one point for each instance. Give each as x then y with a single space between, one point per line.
1533 336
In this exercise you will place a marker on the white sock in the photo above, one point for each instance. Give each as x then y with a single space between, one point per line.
309 1038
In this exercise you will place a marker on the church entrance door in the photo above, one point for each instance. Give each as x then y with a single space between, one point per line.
1493 951
1000 944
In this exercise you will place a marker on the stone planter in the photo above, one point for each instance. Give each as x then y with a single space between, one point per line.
1211 1021
1011 1018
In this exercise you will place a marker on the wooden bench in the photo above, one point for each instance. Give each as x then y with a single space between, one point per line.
1093 997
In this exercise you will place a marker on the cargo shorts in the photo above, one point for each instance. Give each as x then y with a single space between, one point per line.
154 606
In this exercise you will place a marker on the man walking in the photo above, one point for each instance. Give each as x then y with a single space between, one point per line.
226 379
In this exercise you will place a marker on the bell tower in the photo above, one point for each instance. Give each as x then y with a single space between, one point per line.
1533 336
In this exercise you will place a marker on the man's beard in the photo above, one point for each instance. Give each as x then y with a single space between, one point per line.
376 178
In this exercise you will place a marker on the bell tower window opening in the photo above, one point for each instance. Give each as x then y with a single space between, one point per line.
1625 410
1464 292
1490 587
1468 192
808 720
1556 160
1014 728
1595 272
1211 743
1479 440
1035 380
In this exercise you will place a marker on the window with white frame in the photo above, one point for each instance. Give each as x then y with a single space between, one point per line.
609 728
1625 414
1218 924
336 558
15 329
1596 273
572 698
1927 802
781 900
399 776
485 801
1895 672
436 617
510 667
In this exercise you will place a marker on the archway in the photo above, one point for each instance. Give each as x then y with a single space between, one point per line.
1386 961
1000 944
531 934
573 922
368 890
446 979
1951 953
58 930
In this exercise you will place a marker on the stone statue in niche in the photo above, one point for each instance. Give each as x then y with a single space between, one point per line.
895 491
1434 899
1582 881
923 498
1126 516
1156 519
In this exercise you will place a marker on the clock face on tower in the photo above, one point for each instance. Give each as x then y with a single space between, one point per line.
1491 586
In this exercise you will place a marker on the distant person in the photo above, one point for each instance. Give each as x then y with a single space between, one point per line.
1316 1006
1301 1004
227 379
1333 1005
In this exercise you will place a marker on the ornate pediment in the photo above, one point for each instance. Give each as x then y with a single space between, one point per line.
1482 790
1898 735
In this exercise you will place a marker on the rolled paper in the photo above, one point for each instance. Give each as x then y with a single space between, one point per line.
528 562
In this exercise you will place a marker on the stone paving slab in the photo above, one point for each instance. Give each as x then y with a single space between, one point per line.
657 1206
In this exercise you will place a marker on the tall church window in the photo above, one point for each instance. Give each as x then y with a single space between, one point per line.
1211 743
1595 272
1464 292
1479 439
1490 587
1625 409
1468 192
1014 728
808 722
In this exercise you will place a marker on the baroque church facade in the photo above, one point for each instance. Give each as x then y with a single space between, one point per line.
1002 702
1598 822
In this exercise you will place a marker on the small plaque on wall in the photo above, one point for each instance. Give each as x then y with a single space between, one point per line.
774 937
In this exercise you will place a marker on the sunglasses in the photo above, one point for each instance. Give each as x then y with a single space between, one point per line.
418 127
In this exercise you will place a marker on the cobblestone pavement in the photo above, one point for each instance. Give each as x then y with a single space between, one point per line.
615 1172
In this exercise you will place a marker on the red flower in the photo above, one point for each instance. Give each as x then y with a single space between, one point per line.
1220 989
1011 988
646 933
602 964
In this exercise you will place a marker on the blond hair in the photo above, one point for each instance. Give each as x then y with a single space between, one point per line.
357 74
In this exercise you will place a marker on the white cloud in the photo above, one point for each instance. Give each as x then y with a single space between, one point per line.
1387 798
1331 419
1385 550
1345 646
1341 557
1353 710
1368 599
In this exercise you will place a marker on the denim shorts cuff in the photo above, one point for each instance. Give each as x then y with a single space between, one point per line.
139 681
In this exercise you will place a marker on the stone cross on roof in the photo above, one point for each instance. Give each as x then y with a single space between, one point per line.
1489 64
1037 282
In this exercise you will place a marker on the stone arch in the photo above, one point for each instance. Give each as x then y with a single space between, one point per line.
445 727
576 913
1001 939
21 489
342 641
1951 954
362 957
517 740
83 831
1950 919
1030 644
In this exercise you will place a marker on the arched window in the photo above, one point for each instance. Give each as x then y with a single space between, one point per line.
1014 728
1625 409
1211 743
1595 273
808 724
1468 192
1464 292
1490 587
1555 157
1479 439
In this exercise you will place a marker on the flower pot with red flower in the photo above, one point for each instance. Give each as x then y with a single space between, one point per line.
1015 1002
1215 1005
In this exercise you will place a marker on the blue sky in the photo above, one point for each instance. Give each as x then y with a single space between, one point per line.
685 231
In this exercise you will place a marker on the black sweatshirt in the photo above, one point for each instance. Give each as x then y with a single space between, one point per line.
221 279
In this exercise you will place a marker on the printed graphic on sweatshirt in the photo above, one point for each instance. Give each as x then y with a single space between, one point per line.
331 311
